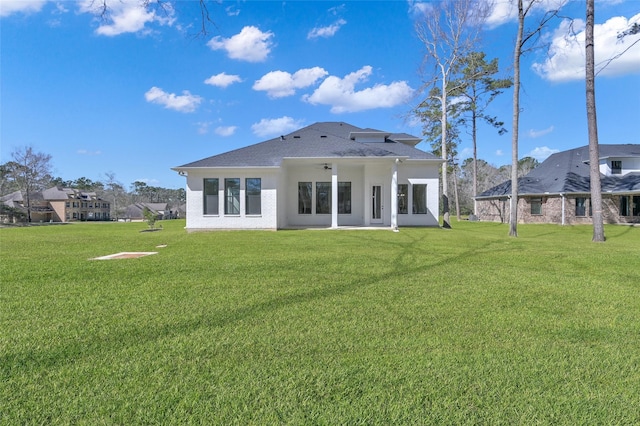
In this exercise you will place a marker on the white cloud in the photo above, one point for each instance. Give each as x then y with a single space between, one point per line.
499 152
465 153
506 11
537 133
342 96
279 84
326 32
90 153
203 127
223 80
541 153
565 60
129 16
251 44
8 7
419 7
225 130
232 11
183 103
276 126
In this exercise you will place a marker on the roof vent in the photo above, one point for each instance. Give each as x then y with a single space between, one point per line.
281 137
323 136
296 137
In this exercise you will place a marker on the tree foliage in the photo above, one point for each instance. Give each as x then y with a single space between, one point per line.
479 90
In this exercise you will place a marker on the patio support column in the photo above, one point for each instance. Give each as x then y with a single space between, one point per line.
394 196
562 195
334 195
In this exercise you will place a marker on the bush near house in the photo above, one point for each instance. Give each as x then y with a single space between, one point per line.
426 326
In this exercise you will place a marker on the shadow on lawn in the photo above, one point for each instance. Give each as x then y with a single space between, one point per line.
31 361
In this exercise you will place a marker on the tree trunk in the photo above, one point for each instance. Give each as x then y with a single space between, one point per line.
513 211
446 222
455 193
474 133
592 123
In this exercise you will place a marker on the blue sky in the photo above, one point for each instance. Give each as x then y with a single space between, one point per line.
136 93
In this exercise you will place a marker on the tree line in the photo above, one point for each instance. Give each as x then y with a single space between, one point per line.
30 172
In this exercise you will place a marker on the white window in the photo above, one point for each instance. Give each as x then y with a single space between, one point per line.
210 196
304 197
253 196
232 196
419 198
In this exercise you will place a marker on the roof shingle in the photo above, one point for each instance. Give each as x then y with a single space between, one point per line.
320 140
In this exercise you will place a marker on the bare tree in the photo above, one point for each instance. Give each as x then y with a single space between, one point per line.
479 90
449 30
525 9
592 124
31 172
102 8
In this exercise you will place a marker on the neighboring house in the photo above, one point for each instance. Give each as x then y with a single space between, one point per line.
329 174
159 210
61 205
11 208
558 190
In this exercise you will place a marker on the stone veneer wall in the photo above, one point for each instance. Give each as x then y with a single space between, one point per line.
498 210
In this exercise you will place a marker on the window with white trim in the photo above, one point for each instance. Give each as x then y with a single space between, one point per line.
253 196
304 197
323 197
403 198
419 198
210 196
232 196
344 197
536 206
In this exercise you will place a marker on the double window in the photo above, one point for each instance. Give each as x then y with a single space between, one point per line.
581 206
616 167
536 205
630 205
211 196
323 197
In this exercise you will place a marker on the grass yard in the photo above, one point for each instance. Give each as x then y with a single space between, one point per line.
424 326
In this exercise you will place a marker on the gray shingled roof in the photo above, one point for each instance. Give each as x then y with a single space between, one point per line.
568 172
320 140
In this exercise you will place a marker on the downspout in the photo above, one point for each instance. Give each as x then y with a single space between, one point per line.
562 195
334 196
394 196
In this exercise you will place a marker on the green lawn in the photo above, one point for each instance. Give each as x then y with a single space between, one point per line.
424 326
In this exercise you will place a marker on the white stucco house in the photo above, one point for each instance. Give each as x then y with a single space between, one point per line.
329 175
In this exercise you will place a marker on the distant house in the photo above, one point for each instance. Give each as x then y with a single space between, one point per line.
11 208
558 190
159 210
329 174
59 204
